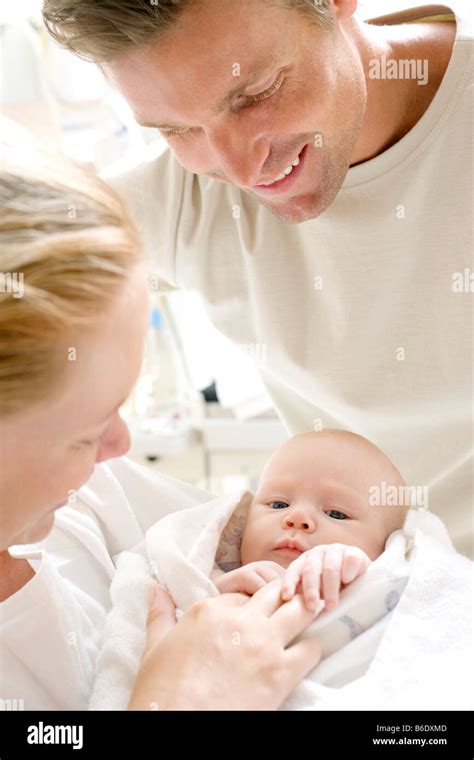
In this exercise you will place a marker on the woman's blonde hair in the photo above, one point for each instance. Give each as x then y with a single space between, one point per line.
67 246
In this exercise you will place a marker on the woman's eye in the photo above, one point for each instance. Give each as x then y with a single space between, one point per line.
177 132
336 515
279 505
85 444
172 132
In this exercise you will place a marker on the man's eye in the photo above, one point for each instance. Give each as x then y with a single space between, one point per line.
251 99
336 515
248 100
279 505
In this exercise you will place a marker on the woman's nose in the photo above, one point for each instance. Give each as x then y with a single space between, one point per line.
116 441
300 519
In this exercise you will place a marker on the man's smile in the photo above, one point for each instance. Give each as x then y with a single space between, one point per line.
285 179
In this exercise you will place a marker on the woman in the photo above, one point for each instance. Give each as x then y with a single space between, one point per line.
73 315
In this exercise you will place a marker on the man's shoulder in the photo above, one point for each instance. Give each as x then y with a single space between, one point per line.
458 12
132 178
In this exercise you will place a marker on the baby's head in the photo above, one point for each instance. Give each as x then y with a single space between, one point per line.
315 489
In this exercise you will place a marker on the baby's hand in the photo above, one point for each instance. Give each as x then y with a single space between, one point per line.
249 578
322 571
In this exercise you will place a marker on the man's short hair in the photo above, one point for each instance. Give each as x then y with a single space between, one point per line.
101 30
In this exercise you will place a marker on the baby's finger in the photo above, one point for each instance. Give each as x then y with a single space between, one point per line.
311 581
292 577
351 567
331 575
270 573
254 583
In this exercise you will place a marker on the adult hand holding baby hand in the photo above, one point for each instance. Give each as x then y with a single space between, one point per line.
322 571
229 652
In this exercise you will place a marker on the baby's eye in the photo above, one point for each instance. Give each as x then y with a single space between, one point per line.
279 505
336 515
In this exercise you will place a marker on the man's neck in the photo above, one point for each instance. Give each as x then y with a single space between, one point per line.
394 106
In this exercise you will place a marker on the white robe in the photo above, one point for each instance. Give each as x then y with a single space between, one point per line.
51 629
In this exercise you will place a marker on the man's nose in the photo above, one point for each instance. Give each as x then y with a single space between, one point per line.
301 519
238 155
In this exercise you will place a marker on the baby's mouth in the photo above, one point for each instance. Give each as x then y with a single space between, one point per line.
290 547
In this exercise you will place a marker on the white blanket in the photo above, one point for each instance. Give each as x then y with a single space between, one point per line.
401 637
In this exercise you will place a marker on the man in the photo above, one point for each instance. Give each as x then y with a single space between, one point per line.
318 194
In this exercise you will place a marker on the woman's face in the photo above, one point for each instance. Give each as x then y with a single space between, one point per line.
49 451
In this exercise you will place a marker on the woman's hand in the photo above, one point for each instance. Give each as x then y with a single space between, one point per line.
230 652
322 571
248 579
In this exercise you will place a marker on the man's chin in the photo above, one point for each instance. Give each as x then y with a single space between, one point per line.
309 205
297 210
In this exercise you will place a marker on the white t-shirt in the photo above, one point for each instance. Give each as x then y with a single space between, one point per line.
51 629
382 343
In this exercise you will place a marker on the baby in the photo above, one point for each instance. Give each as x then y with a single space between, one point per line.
311 522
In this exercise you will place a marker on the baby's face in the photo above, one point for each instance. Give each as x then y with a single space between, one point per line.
315 490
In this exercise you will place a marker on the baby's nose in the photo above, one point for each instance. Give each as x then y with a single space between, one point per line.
300 519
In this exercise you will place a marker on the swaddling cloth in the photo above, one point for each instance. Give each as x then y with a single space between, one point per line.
390 644
183 546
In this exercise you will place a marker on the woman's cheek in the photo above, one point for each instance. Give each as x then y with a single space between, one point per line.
79 468
39 531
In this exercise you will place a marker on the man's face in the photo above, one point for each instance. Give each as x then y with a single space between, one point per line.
302 97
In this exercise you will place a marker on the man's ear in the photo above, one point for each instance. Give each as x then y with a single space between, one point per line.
341 10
